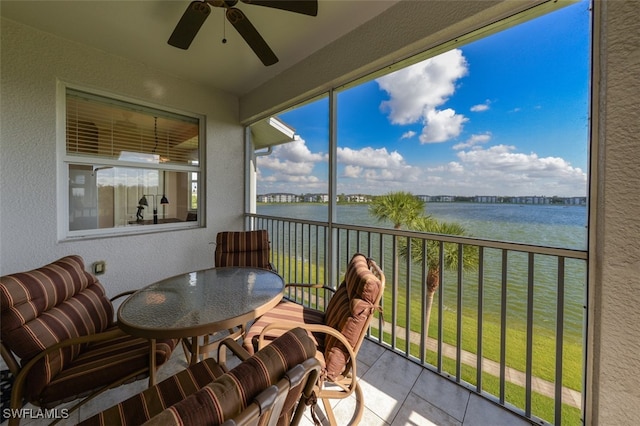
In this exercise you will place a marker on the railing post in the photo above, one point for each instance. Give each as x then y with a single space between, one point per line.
332 264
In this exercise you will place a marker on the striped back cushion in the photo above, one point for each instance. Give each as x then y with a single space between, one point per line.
47 305
245 248
231 393
152 401
348 312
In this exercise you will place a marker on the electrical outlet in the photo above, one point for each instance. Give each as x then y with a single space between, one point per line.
99 267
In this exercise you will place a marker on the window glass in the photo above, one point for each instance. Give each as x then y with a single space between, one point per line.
129 165
292 176
491 134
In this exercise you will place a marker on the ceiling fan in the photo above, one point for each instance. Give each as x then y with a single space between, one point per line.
198 11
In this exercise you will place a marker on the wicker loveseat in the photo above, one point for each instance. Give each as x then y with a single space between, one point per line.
59 338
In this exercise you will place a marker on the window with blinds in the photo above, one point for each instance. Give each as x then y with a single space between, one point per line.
109 128
129 166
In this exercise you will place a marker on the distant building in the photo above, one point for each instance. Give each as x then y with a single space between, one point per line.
282 197
278 198
359 198
315 198
486 199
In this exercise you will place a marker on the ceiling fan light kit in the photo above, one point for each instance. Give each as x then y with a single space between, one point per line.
198 11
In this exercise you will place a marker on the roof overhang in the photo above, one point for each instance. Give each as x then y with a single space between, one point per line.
271 131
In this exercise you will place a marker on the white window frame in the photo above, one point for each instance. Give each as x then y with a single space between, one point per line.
64 160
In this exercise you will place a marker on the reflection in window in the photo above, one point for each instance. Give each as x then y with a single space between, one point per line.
129 165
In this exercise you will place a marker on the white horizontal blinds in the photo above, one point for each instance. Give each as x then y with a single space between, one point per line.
114 129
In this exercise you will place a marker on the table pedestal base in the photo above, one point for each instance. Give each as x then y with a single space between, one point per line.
193 349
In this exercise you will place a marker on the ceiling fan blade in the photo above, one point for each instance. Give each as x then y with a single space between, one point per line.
306 7
251 36
189 25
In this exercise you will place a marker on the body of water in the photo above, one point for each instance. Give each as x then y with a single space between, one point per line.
541 225
544 225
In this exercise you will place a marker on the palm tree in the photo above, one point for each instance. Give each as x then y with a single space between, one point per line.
450 254
400 208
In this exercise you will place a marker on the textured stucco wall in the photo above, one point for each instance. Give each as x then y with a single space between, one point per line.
616 302
31 64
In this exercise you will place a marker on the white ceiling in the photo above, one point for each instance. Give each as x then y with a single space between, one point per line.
139 30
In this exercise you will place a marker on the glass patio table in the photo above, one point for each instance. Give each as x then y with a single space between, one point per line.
197 304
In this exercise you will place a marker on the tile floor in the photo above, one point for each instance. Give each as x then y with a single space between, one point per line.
396 392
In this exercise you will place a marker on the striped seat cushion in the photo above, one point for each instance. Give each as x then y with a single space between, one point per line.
231 393
347 311
99 365
284 311
152 401
245 248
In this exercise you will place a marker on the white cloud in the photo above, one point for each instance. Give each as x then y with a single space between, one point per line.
293 158
481 107
441 126
478 170
417 91
408 135
450 167
291 164
351 171
473 141
375 165
297 151
500 170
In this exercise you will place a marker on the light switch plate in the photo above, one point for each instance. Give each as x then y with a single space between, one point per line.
99 267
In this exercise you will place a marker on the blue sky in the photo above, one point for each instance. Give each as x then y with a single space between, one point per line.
504 115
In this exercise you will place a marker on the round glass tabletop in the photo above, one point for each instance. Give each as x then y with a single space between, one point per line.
201 302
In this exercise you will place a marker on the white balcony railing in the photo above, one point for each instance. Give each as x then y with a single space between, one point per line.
511 330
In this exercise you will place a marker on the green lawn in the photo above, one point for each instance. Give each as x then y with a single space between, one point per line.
544 342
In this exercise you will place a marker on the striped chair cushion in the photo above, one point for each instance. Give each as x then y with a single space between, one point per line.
245 248
152 401
231 393
44 306
284 311
56 302
99 365
348 312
